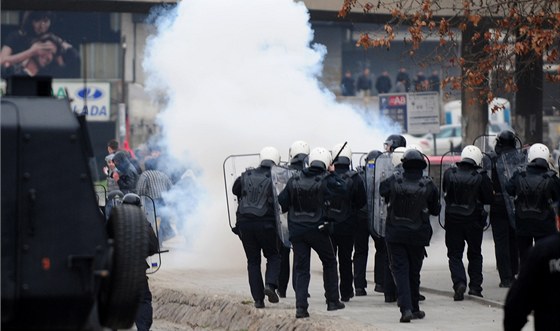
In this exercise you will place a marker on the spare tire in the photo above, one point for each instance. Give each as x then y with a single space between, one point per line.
121 291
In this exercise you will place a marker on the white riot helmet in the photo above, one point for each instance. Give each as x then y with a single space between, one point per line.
271 154
298 147
397 155
345 154
320 155
538 151
471 154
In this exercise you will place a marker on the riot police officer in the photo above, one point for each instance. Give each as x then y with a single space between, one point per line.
535 188
304 198
503 232
537 288
342 213
256 225
396 145
412 198
298 153
467 189
361 239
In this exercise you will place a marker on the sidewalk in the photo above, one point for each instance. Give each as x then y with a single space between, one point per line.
204 299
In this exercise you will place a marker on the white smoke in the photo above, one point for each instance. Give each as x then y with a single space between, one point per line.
238 76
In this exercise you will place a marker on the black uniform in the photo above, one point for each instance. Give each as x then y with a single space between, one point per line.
507 257
537 288
297 163
304 198
412 198
467 189
256 224
361 251
535 188
343 215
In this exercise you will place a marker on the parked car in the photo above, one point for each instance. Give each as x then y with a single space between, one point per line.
450 138
424 143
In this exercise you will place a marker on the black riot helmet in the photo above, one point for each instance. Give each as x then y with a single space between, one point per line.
394 141
506 138
413 159
372 155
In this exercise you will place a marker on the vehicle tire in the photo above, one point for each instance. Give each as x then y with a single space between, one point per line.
121 291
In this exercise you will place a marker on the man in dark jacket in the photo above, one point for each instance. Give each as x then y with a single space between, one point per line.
412 198
127 174
383 83
537 288
364 84
535 188
256 225
342 213
467 189
304 198
348 85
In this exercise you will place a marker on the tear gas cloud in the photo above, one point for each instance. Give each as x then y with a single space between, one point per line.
238 76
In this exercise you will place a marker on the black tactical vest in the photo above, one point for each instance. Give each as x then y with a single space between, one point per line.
461 192
532 201
307 199
409 201
339 207
257 192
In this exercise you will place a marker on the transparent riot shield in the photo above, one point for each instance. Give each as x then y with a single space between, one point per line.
426 171
369 170
280 177
506 164
383 169
447 161
358 159
101 194
486 165
485 142
233 167
150 210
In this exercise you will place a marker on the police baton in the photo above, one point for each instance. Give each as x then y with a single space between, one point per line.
340 151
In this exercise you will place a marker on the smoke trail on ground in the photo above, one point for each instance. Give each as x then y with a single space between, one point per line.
238 76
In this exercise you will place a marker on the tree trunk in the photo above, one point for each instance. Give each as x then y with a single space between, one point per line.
474 107
529 99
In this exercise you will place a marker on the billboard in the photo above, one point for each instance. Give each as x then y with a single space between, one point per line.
50 43
92 99
416 113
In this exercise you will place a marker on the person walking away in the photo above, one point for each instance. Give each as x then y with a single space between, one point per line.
342 212
298 153
256 225
467 188
304 199
392 145
537 288
503 232
153 184
361 239
536 190
412 198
